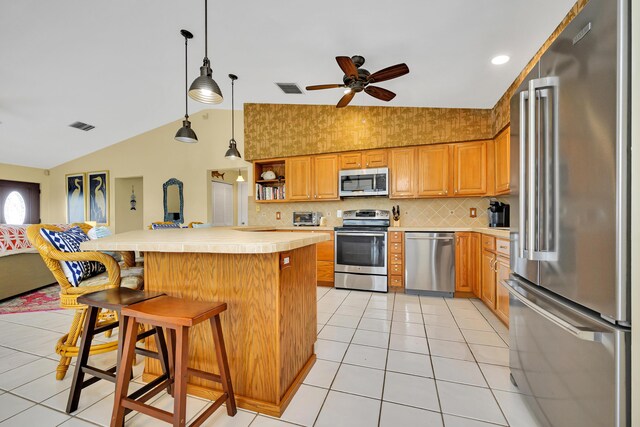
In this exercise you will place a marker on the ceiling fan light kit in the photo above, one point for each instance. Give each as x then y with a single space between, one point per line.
204 89
232 152
185 133
357 79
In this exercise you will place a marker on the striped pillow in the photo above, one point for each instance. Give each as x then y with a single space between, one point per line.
69 241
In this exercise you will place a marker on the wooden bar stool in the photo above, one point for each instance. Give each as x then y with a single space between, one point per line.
113 299
177 315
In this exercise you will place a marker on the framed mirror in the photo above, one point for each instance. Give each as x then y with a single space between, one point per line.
173 201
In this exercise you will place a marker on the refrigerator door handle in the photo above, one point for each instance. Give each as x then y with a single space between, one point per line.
522 214
577 331
534 188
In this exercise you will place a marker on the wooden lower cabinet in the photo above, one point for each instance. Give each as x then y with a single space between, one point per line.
488 274
325 258
468 263
396 261
502 294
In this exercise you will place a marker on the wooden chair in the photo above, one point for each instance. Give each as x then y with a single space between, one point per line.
67 344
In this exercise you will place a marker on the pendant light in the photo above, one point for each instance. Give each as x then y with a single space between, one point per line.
185 133
204 88
232 152
240 178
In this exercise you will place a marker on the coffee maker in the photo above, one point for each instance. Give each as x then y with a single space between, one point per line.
498 214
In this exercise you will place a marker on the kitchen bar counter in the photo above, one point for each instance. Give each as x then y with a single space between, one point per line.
268 281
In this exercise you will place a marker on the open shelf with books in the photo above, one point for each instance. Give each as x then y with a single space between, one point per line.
270 180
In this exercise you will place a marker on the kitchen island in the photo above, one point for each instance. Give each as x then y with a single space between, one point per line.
268 281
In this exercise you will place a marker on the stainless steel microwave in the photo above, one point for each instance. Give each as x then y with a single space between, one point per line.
364 182
306 218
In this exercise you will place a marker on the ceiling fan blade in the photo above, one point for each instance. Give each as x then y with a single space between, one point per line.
347 65
345 100
389 73
380 93
318 87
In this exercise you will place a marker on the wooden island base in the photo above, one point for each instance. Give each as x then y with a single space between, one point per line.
269 327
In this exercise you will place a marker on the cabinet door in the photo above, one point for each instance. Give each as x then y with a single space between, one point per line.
488 294
470 169
298 178
433 171
402 166
502 162
464 265
468 262
325 183
502 294
375 159
350 161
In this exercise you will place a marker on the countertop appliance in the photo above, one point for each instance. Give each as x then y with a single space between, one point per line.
364 182
430 263
307 218
361 250
570 323
498 213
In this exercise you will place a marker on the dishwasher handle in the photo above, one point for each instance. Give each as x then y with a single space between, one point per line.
428 238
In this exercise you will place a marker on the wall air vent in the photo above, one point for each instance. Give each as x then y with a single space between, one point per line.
290 88
81 126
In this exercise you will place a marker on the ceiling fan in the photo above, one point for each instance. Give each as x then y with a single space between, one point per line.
357 79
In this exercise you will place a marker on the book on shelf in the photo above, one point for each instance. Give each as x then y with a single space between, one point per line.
264 192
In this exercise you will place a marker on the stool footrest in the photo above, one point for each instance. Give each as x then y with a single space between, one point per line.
209 411
203 374
150 389
145 334
100 373
147 410
147 353
103 328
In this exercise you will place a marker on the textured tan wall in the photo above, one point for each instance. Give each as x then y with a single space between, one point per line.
278 130
414 213
501 111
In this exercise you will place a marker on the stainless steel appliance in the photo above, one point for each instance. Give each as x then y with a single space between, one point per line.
570 289
498 213
430 264
361 250
364 182
306 218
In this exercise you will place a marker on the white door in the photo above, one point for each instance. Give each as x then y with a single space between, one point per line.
222 200
243 202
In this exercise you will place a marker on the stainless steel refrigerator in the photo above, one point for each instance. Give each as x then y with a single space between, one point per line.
570 311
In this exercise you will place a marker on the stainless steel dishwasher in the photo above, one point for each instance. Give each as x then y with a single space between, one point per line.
430 263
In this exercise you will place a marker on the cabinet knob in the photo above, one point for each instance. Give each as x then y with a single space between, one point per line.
441 193
308 197
315 196
367 165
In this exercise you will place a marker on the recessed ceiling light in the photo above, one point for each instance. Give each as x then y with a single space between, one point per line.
500 59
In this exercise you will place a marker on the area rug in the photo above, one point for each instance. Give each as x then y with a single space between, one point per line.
44 299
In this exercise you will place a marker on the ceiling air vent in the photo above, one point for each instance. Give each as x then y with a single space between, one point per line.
289 88
81 126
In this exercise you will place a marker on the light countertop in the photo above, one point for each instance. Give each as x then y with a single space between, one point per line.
502 233
237 240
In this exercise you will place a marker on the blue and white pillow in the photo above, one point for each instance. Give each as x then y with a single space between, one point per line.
155 226
69 241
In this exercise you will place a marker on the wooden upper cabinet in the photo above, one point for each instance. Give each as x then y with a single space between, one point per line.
502 161
325 182
470 169
433 171
402 165
351 161
298 178
374 159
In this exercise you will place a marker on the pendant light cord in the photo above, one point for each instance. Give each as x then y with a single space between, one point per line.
186 83
233 123
206 38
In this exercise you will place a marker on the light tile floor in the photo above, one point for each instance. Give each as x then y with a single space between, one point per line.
389 360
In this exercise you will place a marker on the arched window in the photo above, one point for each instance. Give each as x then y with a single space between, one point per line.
19 202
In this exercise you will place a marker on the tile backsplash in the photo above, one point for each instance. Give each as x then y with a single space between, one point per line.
413 212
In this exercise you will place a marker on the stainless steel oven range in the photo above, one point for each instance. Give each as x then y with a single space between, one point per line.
361 250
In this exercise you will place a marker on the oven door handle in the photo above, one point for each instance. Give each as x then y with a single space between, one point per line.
339 233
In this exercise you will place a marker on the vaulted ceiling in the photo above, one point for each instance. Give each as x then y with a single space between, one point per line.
119 65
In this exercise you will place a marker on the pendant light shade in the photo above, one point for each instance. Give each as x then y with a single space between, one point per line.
204 88
240 178
232 152
185 133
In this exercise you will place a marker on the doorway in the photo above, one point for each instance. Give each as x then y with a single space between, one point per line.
129 214
221 204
